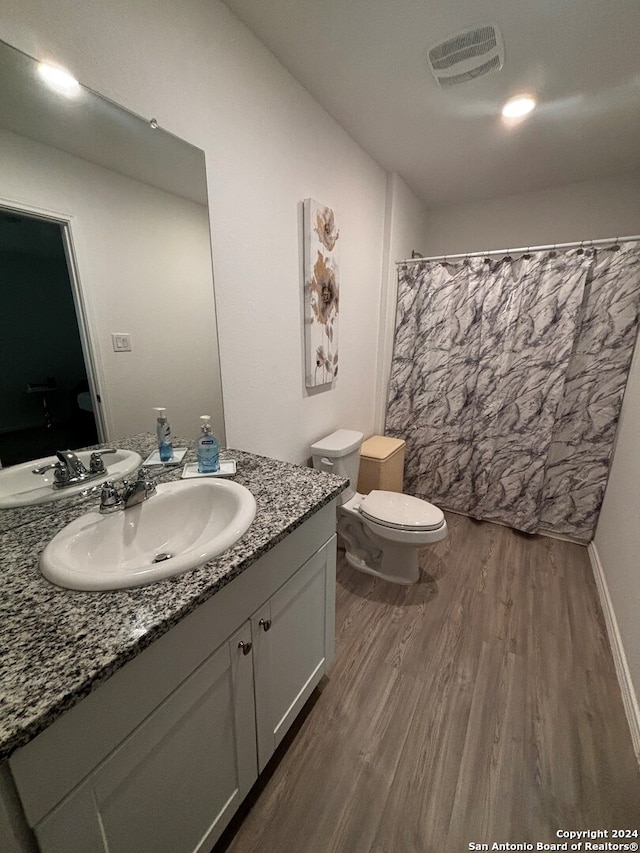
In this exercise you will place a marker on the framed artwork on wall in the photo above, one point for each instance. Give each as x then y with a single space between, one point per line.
321 293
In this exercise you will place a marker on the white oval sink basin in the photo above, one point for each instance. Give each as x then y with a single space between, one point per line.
179 528
19 486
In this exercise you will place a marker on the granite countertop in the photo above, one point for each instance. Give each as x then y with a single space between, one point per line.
58 645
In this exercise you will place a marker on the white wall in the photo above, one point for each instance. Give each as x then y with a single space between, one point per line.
617 539
603 208
268 146
607 207
405 232
144 267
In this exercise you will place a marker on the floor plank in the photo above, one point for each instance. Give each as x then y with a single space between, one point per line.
478 705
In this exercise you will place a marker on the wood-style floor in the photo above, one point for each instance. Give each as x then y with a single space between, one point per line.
480 705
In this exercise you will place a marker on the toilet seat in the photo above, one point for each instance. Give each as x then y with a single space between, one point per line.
401 512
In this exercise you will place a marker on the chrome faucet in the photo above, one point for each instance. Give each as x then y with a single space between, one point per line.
69 470
112 500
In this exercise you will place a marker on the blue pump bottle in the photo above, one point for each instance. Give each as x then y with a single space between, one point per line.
208 448
163 432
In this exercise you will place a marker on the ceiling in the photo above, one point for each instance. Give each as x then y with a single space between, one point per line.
365 61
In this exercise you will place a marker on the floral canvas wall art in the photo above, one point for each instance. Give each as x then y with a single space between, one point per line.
321 293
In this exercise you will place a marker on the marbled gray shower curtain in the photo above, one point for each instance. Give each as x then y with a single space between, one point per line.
489 383
586 422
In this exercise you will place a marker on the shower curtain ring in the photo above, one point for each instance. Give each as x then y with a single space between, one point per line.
581 249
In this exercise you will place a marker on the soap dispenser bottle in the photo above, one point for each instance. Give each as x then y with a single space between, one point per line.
163 431
208 448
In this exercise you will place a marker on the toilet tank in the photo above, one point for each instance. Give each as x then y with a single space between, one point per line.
339 453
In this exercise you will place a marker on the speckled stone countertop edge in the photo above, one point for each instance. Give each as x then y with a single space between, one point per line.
207 580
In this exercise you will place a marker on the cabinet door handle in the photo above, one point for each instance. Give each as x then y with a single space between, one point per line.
246 647
265 623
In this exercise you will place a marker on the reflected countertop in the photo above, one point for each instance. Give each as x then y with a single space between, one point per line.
58 645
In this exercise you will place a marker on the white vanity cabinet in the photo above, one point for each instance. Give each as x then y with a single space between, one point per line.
158 758
293 639
175 781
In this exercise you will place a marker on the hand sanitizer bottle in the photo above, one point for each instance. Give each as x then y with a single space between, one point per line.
208 448
163 431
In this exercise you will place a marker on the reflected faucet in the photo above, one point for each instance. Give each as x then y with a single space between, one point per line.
69 470
70 464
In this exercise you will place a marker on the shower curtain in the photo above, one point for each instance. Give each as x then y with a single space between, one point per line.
507 380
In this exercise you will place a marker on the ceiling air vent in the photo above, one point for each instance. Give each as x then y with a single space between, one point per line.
467 55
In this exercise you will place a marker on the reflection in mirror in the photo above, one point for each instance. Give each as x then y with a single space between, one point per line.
104 232
44 388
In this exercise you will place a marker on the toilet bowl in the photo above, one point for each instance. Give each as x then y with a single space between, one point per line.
382 531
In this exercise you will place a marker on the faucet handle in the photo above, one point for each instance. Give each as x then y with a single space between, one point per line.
96 462
61 475
110 499
52 467
144 479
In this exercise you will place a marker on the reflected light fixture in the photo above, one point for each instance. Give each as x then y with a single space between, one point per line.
518 107
59 79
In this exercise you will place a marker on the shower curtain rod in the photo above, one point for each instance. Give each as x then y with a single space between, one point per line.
584 244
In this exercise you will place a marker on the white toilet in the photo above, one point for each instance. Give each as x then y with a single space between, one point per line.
383 531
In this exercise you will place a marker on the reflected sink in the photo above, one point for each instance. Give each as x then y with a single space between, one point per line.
19 486
183 525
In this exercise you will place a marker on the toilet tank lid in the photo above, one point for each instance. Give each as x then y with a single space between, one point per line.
339 443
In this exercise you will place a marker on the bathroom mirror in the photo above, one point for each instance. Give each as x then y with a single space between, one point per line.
126 205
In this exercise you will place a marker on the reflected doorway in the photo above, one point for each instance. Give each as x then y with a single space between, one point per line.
45 398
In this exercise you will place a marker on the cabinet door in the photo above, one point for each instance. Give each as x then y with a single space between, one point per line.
173 784
293 636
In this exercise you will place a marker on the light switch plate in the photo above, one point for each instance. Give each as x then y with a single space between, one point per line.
121 341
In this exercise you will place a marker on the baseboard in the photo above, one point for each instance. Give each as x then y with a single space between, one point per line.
629 698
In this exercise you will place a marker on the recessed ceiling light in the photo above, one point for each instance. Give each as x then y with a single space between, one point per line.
59 79
518 107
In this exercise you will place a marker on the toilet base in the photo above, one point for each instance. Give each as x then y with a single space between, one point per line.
410 573
396 562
